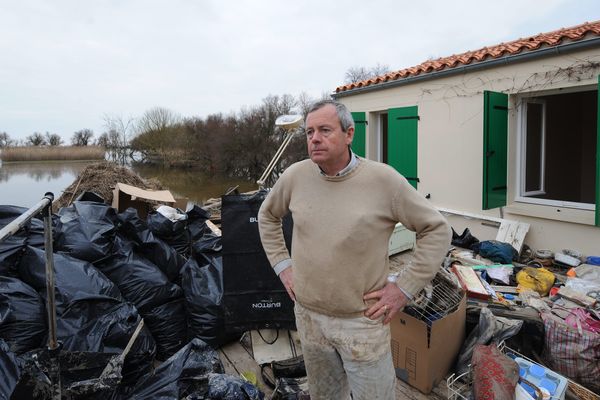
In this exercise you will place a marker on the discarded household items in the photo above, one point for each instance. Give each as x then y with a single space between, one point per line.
554 296
422 350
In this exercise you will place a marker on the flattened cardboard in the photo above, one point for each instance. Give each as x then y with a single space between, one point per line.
420 358
125 196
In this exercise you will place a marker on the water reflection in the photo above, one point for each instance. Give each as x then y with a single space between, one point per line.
192 184
24 183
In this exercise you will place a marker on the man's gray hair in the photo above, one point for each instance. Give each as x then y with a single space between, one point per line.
344 115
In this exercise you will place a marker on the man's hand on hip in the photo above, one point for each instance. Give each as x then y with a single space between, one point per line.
390 300
287 277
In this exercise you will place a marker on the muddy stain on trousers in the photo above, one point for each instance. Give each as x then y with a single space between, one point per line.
346 355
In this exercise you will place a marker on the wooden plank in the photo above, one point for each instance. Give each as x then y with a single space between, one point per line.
513 232
238 360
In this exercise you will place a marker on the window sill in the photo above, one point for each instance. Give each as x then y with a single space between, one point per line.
564 214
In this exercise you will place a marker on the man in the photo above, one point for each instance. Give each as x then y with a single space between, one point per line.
345 209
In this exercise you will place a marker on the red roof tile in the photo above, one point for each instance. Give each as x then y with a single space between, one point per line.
549 39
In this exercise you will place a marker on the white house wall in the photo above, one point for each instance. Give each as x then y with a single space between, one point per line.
450 142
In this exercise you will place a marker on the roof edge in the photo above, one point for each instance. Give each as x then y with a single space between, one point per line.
513 58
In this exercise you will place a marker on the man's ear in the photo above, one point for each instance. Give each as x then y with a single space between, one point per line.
349 135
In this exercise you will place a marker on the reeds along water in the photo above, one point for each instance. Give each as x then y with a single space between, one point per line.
47 153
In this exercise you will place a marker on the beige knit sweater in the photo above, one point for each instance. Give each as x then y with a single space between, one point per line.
342 226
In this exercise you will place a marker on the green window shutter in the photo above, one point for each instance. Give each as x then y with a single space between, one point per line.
597 219
495 134
402 141
359 143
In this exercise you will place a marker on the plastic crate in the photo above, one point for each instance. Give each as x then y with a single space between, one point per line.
543 378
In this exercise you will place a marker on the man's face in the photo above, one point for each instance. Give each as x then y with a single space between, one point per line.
327 143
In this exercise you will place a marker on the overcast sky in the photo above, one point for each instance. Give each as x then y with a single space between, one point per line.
64 64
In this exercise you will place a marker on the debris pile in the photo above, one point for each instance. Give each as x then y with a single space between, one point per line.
101 178
541 307
111 271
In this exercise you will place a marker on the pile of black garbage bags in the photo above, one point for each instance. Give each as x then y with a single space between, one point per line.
112 270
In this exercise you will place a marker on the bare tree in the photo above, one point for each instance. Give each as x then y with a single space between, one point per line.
109 139
82 137
357 74
53 139
121 126
35 139
5 140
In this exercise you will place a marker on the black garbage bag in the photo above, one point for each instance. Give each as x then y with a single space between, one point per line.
168 326
74 278
208 245
149 245
175 233
203 290
491 329
91 314
186 372
139 280
22 316
196 224
11 371
104 325
496 251
228 387
12 248
86 230
465 240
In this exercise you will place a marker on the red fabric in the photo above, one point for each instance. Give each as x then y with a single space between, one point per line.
495 375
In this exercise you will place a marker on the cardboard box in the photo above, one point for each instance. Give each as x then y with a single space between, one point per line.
125 196
423 355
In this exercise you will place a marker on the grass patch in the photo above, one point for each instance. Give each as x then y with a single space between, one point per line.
52 153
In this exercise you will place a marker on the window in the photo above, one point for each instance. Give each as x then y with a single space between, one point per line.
558 149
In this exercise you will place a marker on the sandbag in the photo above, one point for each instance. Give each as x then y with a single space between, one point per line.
168 325
538 279
149 245
86 230
11 371
140 281
182 374
22 316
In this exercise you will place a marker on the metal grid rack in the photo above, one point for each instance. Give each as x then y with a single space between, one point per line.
437 300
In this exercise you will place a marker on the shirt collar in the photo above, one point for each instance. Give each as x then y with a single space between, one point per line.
354 160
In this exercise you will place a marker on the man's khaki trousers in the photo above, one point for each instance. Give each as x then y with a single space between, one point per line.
346 355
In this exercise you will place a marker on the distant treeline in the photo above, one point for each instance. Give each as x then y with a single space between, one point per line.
239 145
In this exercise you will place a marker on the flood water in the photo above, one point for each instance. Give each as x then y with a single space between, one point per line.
25 183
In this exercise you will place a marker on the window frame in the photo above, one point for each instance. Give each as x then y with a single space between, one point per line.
523 149
521 126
